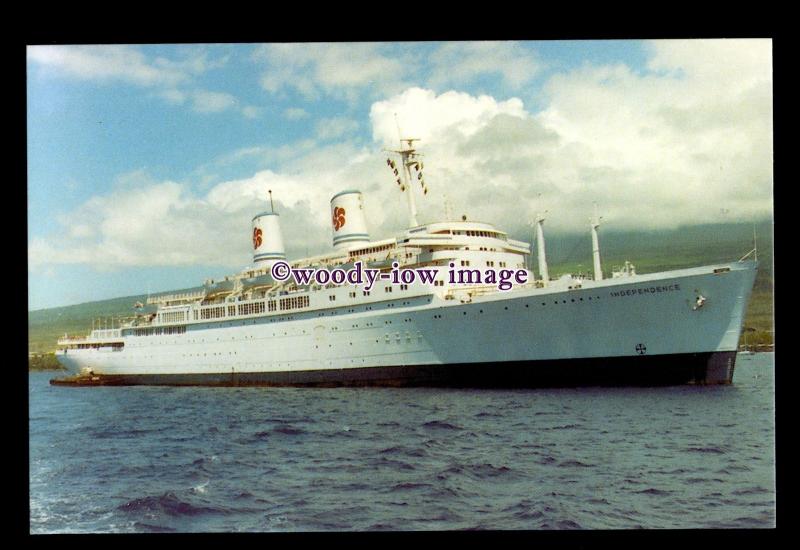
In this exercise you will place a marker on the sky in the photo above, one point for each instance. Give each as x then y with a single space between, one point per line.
146 163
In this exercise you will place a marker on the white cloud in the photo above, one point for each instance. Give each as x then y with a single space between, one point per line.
295 113
340 69
336 127
251 111
166 224
671 145
173 96
351 70
105 63
173 80
741 62
243 153
204 101
463 62
158 224
424 115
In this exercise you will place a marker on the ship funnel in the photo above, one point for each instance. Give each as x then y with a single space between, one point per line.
267 239
348 220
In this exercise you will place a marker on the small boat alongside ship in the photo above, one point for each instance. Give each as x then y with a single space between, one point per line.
674 327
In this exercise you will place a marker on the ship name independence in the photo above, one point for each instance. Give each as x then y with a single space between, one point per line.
646 290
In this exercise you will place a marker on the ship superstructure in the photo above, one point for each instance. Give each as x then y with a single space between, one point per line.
249 328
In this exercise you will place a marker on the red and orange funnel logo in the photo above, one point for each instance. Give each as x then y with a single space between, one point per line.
338 218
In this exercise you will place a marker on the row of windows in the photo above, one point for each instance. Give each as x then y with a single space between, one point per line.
254 308
212 312
556 302
173 316
370 250
479 234
218 312
249 309
158 331
294 302
116 346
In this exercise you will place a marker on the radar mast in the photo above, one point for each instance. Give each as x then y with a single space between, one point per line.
409 158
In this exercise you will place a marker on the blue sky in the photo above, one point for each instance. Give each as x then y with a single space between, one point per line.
146 163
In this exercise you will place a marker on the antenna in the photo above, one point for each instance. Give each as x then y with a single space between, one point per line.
540 253
755 243
529 256
754 250
399 133
271 206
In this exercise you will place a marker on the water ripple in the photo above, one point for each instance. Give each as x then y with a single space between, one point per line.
294 459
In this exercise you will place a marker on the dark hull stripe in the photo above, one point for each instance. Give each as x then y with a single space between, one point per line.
659 370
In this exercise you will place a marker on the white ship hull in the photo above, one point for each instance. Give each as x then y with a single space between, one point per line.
642 329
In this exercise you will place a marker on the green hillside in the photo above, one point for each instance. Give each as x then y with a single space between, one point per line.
649 252
46 326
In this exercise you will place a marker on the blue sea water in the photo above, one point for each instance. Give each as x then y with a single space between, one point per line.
152 459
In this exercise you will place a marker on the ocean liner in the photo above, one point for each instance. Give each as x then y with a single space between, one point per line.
253 328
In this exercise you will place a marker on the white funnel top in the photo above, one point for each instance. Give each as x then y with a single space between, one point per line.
267 240
347 220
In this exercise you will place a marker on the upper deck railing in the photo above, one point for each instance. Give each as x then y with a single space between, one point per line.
176 297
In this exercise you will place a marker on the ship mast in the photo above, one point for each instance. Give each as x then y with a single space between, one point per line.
409 159
540 248
595 223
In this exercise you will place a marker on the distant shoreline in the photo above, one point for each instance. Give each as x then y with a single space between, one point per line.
44 362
